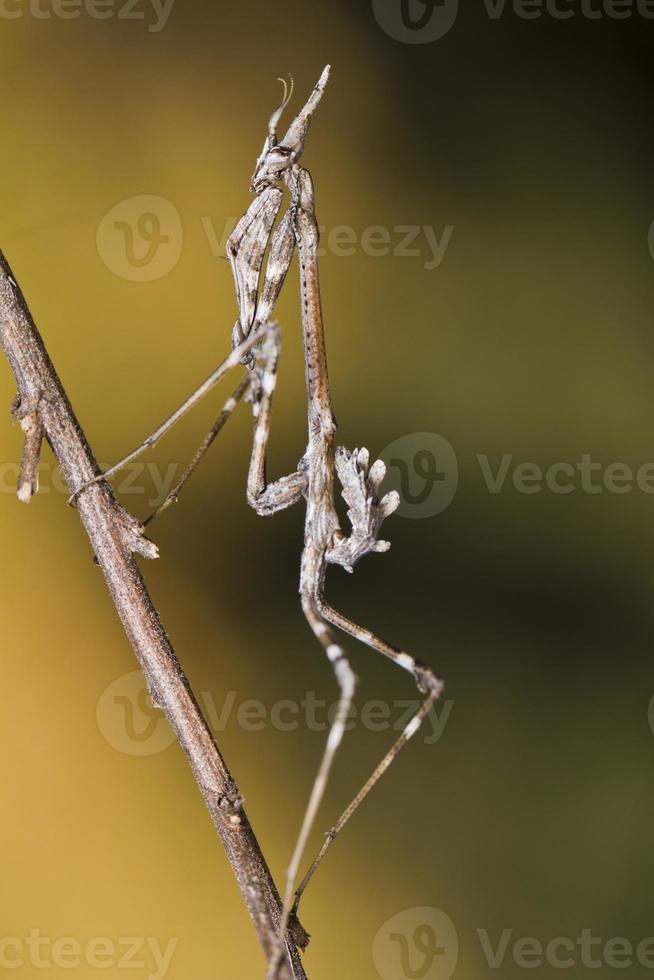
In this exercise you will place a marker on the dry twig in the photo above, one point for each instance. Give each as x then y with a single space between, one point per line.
44 410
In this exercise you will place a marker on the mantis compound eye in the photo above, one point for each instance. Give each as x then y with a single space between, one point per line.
279 159
273 164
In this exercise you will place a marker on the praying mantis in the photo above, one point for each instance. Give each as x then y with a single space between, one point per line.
256 344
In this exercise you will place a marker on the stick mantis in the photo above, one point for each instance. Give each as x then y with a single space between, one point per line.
256 345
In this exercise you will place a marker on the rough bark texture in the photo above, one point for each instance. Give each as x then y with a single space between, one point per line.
43 408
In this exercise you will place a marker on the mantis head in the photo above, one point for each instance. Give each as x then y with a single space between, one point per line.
279 156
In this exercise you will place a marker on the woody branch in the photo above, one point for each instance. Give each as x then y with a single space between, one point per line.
43 410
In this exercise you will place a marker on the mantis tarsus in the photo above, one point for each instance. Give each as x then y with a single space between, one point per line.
256 344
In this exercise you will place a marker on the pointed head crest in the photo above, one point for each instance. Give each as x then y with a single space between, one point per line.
278 156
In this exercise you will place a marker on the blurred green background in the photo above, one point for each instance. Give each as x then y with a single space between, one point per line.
532 337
